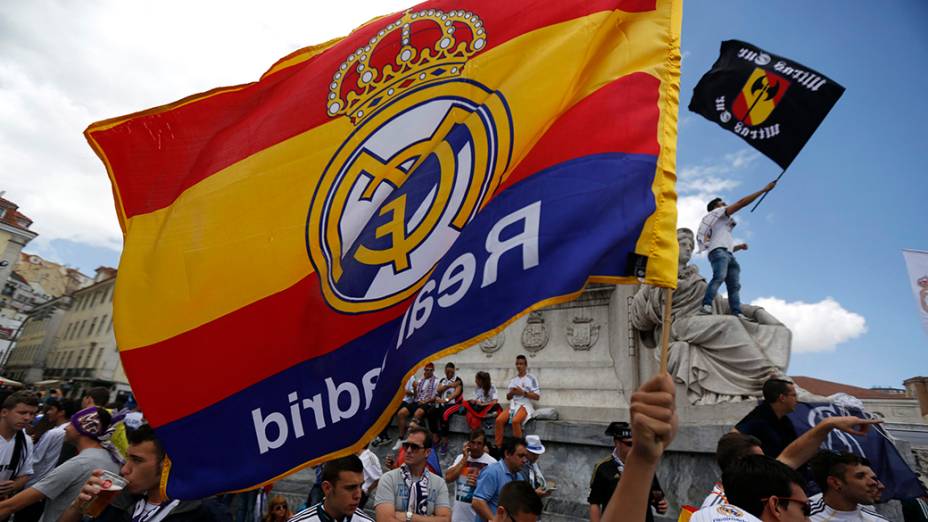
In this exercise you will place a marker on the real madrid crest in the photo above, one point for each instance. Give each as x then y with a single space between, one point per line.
429 147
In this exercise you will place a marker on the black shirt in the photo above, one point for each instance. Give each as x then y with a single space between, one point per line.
605 479
774 434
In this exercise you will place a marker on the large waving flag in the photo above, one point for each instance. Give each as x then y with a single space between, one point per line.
296 246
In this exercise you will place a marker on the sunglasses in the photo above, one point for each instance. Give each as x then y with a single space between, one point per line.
411 446
803 504
625 442
279 506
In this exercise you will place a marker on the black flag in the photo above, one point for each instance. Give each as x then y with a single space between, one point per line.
773 103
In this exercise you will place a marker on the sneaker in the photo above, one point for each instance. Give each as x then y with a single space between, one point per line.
705 310
741 316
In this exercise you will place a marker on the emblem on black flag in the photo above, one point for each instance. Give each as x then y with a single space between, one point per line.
773 103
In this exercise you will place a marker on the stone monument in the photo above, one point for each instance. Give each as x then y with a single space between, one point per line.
716 357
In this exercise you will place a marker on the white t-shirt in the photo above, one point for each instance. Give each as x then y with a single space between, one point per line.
46 453
723 513
528 383
715 231
480 396
410 393
464 492
822 512
372 469
25 460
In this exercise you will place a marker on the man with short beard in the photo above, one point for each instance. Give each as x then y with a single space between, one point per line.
849 488
412 493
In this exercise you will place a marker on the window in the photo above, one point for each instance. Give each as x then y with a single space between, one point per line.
67 331
93 324
102 322
80 330
96 363
110 327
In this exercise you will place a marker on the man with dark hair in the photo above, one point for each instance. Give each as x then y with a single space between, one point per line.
608 472
141 499
849 488
61 486
759 488
518 502
412 493
495 476
49 438
768 421
523 389
734 445
464 472
96 396
341 482
18 411
450 389
714 236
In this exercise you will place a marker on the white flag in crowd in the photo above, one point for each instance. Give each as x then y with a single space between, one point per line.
917 262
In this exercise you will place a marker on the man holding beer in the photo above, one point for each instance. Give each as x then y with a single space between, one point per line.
62 484
136 494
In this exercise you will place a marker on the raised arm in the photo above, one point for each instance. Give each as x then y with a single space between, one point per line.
654 425
746 200
804 448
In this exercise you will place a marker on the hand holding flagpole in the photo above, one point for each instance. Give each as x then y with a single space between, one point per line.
767 191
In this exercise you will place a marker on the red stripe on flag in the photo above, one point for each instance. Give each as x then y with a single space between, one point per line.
244 347
158 154
619 117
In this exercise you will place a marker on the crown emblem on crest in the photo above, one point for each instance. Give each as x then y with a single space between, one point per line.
420 48
923 282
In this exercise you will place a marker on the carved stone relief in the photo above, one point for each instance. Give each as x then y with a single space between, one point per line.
492 345
582 333
535 334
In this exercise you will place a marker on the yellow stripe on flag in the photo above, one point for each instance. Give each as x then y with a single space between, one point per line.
239 235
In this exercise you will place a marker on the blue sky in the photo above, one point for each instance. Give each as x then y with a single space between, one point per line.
825 248
855 196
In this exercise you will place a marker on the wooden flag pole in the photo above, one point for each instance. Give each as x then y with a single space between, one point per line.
768 192
665 330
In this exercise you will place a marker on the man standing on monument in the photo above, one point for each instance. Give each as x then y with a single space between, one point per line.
714 236
768 421
607 473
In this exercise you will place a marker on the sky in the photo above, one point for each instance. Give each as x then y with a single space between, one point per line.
825 247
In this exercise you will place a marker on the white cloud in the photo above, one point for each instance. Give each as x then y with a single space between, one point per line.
816 327
65 65
698 184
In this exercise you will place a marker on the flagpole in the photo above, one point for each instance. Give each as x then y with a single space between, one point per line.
665 330
765 193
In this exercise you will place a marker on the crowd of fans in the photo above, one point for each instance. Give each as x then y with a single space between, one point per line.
57 455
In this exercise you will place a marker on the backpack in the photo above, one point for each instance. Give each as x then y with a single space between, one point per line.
16 459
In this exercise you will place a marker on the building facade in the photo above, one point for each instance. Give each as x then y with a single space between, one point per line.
14 235
56 279
37 338
86 351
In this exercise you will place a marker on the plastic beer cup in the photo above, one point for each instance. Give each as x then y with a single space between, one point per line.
111 486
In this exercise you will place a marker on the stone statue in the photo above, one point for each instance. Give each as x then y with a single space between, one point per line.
718 357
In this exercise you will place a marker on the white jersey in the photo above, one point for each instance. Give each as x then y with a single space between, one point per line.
317 514
822 512
528 383
716 496
715 231
723 513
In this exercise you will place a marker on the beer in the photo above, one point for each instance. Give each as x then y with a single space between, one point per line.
112 484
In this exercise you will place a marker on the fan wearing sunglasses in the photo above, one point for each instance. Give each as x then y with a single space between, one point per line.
412 493
759 488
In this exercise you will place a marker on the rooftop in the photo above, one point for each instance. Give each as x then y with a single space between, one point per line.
826 388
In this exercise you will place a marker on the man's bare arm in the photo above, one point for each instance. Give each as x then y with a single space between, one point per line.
805 447
595 513
20 500
746 200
